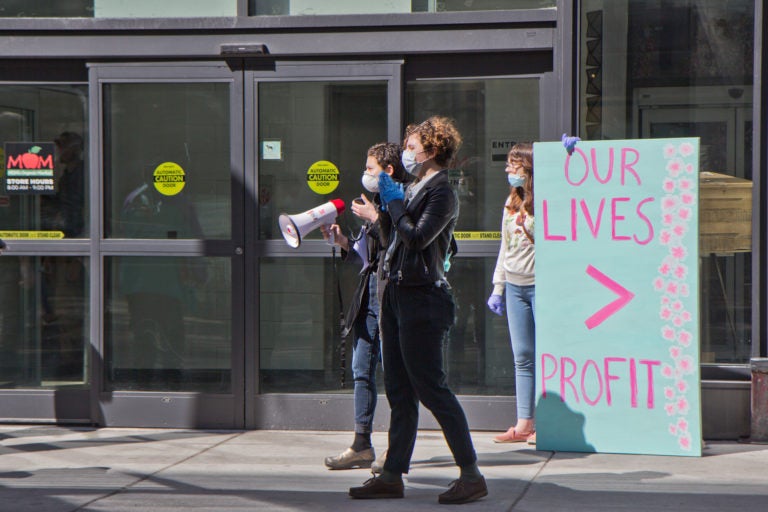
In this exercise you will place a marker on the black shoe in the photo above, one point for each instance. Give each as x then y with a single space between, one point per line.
376 488
463 491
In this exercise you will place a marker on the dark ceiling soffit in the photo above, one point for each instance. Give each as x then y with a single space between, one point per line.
547 16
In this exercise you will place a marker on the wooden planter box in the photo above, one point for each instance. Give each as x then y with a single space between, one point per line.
725 214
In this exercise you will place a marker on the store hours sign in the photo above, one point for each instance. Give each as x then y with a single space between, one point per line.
617 337
29 168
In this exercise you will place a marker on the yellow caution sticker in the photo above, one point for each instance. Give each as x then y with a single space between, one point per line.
323 177
169 178
31 235
477 235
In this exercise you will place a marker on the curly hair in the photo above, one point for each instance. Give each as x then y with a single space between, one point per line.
389 153
438 133
522 152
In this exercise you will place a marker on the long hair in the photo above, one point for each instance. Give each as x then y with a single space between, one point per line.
522 197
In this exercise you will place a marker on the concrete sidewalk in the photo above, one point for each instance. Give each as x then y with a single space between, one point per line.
54 469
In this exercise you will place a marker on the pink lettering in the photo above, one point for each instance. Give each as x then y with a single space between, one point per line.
599 380
627 166
608 377
545 218
593 154
646 220
593 225
566 377
615 218
650 364
544 377
568 168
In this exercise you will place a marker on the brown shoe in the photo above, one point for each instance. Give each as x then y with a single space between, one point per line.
376 488
463 491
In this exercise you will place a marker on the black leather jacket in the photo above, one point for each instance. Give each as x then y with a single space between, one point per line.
424 230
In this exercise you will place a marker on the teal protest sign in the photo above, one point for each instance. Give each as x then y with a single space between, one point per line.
617 323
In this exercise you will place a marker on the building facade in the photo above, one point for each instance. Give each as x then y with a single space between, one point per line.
147 282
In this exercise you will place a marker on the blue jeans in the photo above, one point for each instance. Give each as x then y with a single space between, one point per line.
366 353
521 312
414 323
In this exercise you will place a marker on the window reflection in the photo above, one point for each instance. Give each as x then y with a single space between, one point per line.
491 116
312 7
683 68
43 321
36 119
168 324
300 341
167 183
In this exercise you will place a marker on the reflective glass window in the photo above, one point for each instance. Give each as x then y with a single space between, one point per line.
167 160
310 7
683 68
46 8
44 149
491 115
43 321
309 130
300 340
168 324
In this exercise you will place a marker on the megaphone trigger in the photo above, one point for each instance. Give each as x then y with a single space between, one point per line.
295 227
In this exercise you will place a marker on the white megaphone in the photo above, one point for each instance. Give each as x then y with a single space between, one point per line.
296 227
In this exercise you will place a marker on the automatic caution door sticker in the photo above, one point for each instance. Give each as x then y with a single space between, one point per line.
169 178
323 177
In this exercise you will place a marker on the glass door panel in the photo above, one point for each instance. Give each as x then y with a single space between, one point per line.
172 246
335 121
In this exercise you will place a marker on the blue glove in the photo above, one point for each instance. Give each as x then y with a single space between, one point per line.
496 304
569 143
389 190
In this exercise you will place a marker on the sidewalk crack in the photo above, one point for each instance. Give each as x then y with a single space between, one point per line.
530 482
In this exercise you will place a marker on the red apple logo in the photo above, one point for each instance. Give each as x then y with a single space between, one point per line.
31 159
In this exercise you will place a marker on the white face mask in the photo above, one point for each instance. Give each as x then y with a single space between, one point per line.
410 163
370 182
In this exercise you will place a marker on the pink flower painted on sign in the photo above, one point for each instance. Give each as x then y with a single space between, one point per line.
679 252
672 283
686 149
674 168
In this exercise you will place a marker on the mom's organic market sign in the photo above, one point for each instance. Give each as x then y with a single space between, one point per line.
617 338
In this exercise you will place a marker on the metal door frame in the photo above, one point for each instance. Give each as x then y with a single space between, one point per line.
166 409
277 410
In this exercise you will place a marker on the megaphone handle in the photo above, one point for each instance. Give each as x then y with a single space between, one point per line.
331 236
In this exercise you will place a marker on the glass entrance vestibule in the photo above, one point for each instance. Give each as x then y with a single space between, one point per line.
174 301
146 282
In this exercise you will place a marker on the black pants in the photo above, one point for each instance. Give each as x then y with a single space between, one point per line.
414 322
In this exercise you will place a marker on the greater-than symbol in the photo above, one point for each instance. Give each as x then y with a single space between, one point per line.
603 313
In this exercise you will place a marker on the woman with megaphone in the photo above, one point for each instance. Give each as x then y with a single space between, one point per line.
416 312
362 316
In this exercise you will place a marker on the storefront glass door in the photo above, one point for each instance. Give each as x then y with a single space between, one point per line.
171 245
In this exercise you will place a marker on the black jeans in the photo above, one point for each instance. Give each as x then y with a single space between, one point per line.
414 322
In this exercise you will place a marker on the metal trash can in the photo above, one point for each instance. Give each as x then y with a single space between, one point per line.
759 422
